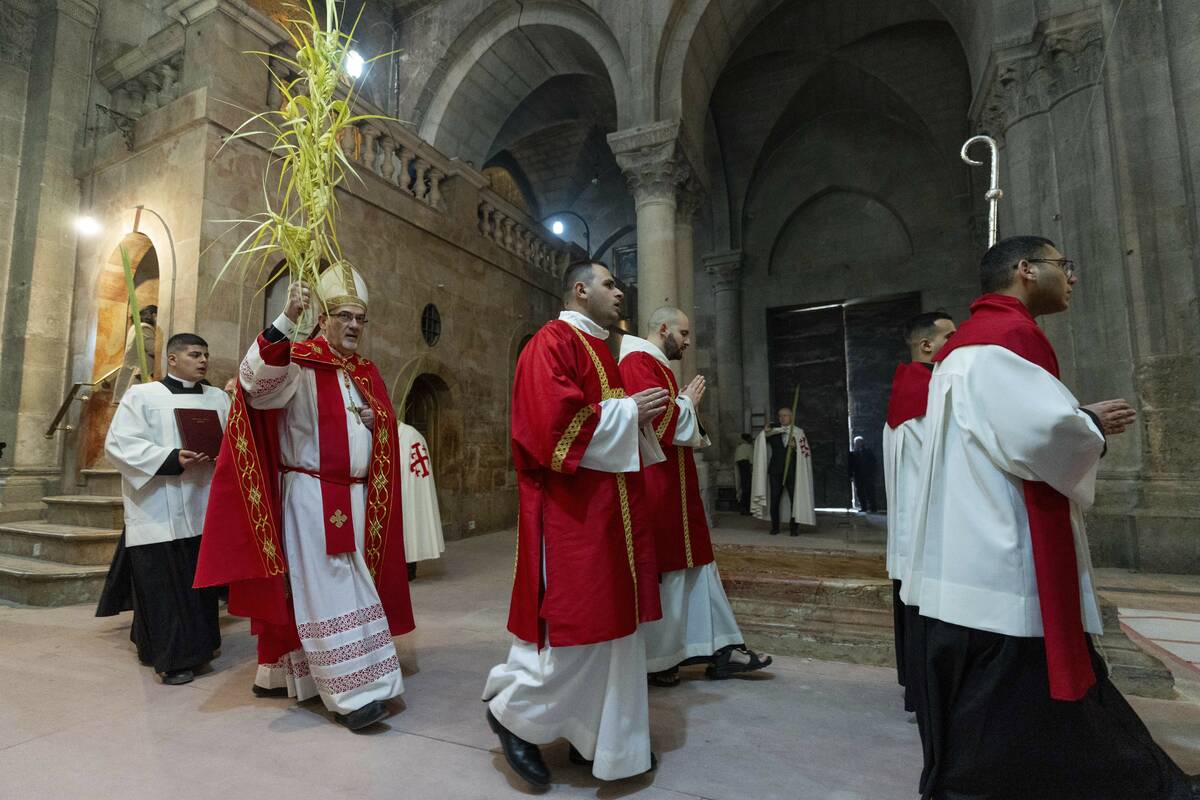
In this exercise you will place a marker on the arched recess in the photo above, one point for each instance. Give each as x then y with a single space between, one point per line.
844 223
435 387
584 43
112 332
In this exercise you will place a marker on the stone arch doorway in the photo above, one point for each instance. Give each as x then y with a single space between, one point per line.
426 395
112 336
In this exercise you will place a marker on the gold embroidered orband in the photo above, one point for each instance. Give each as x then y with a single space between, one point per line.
627 522
687 534
568 438
606 392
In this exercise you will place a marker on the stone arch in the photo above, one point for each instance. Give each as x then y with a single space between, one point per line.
446 445
592 37
110 330
898 238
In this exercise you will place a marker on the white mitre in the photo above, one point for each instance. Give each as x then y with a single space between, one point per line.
342 285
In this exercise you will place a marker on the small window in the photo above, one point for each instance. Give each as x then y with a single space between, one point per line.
431 325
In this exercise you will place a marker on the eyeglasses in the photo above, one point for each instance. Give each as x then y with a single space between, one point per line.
345 317
1065 264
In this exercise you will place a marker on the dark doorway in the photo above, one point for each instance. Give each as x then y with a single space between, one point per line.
806 349
841 356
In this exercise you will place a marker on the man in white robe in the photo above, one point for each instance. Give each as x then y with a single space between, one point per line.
346 601
423 539
1017 702
903 439
164 489
773 449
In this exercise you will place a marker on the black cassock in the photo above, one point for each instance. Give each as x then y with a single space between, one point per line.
984 705
175 627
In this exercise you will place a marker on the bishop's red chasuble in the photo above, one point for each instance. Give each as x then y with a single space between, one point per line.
674 510
585 569
242 541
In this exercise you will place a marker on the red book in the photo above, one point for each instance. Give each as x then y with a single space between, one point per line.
200 429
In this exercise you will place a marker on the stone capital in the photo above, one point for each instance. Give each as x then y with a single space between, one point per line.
1063 56
688 200
654 160
725 270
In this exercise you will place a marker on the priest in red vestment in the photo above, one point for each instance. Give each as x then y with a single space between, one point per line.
585 575
698 626
903 436
1017 702
304 519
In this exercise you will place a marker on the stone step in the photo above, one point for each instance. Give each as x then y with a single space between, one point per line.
85 510
67 544
102 481
35 582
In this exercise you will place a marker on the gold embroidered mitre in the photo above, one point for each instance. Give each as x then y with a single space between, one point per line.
342 285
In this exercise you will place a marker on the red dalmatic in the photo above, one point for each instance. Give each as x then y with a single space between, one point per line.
600 579
1004 321
242 545
674 510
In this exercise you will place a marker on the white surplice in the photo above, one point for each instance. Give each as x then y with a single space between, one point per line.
902 448
418 495
144 431
594 695
799 495
697 619
993 421
347 655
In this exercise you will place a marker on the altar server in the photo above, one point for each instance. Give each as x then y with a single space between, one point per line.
164 489
1018 703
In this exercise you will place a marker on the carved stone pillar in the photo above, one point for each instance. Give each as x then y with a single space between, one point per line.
419 169
41 272
725 270
406 157
370 147
485 219
434 198
687 202
387 167
654 169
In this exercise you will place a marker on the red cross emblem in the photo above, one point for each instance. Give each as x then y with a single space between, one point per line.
418 461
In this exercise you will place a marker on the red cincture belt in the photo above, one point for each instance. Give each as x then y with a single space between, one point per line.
347 481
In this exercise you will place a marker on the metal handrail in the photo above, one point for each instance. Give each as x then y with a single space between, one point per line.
104 383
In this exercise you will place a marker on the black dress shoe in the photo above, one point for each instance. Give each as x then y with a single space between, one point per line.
262 691
774 531
524 758
795 530
178 677
372 712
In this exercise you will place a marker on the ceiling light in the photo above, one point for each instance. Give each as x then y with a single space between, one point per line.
87 225
557 227
354 64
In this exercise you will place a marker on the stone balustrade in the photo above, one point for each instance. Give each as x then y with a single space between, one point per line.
392 152
507 226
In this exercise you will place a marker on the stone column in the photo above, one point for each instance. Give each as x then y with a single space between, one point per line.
654 169
686 203
724 269
41 271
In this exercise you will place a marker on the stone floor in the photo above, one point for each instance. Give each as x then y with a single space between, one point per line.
79 718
